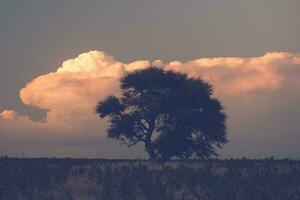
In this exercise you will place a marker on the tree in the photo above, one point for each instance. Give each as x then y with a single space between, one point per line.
173 115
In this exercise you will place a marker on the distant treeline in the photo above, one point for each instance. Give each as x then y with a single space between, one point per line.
94 179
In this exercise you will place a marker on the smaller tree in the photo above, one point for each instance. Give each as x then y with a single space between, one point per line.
173 115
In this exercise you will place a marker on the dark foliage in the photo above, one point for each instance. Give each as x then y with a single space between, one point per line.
173 115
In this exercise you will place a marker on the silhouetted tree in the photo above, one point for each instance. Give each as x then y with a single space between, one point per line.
173 115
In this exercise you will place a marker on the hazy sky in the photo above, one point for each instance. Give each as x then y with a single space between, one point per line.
36 37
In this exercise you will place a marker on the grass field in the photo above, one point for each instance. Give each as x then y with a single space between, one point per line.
95 179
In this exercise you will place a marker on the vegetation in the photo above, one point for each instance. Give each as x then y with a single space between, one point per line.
173 115
75 179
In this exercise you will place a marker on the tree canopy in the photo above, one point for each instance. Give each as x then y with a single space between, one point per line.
173 115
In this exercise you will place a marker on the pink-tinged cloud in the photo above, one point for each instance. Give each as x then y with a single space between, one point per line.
11 121
235 75
69 94
8 114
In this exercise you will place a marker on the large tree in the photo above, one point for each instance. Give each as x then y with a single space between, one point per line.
173 115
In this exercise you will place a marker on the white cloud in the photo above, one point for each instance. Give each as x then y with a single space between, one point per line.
235 75
70 94
8 114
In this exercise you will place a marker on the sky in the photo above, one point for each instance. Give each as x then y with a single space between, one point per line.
58 58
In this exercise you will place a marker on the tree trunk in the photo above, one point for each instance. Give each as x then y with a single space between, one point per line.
150 151
148 142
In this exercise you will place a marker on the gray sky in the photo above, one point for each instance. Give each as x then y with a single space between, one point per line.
37 36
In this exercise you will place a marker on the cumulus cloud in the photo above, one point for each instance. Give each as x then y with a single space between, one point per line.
235 75
12 125
8 114
69 94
